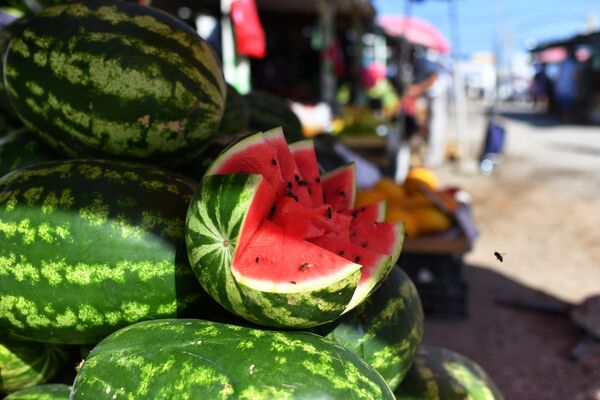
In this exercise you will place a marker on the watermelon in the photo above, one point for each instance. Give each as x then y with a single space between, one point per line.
268 110
247 241
196 359
49 391
89 246
20 148
385 330
6 34
442 374
114 79
236 113
24 364
368 213
306 160
339 187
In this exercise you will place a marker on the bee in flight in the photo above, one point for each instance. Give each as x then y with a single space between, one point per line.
499 256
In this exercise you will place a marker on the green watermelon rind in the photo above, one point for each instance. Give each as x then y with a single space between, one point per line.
177 359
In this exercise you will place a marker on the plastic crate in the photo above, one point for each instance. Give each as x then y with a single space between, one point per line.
440 282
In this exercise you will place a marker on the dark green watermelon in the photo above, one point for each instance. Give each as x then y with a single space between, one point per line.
23 147
385 330
236 115
196 359
49 391
268 111
90 246
6 34
114 79
24 364
442 374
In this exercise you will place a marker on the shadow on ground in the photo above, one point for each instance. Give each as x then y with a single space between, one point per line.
504 341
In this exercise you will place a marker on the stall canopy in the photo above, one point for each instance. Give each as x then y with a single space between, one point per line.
415 30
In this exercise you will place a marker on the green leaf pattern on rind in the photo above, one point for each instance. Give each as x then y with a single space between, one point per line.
49 391
176 359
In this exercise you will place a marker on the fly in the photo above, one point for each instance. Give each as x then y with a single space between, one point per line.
499 256
304 266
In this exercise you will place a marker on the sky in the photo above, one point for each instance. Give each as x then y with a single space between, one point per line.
518 23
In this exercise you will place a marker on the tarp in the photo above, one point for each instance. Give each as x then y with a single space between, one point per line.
249 34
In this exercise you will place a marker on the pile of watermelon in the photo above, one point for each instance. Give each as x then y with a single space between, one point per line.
125 275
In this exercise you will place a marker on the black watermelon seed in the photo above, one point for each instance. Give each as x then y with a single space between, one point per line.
357 259
364 244
256 260
342 193
318 180
289 185
329 213
297 178
303 183
273 162
341 252
354 213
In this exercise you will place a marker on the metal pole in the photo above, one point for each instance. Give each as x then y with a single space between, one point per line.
327 24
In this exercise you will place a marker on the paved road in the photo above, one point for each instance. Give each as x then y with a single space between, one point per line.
542 208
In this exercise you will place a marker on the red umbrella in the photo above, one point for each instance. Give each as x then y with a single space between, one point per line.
416 31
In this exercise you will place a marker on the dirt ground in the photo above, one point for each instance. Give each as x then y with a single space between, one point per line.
541 207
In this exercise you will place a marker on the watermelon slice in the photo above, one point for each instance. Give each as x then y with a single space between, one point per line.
339 187
272 259
372 212
294 180
305 157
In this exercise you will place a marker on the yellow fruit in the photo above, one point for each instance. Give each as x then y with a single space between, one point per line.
418 176
393 191
369 196
431 219
396 214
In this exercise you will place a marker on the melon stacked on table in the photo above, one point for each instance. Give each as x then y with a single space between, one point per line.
180 289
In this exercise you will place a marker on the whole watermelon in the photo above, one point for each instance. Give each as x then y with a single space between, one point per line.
236 114
196 359
24 364
114 79
89 246
268 111
7 32
442 374
386 330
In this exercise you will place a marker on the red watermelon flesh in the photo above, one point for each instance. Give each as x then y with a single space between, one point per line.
281 262
382 237
368 213
251 155
339 187
375 265
293 178
306 160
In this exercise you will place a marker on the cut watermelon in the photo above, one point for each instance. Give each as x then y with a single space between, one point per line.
306 159
376 266
339 187
251 155
368 213
272 259
295 185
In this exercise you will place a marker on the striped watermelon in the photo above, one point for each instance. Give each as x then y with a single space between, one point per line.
268 110
195 359
6 34
255 260
114 79
25 364
49 391
89 246
442 374
20 148
385 330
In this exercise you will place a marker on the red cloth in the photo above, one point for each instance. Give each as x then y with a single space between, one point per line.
249 34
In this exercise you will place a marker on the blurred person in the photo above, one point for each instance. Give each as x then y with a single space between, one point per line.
566 86
540 88
422 74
